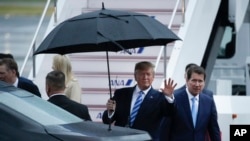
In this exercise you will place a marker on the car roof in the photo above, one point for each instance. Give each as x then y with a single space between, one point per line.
60 123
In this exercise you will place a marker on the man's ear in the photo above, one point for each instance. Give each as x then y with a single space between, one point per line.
47 88
135 76
14 72
186 79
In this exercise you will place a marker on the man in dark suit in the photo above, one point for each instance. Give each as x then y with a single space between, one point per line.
184 126
166 122
55 85
9 73
154 106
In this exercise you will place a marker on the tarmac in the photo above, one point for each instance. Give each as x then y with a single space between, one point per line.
17 32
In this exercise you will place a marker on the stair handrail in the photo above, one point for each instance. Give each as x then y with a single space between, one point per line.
169 26
33 42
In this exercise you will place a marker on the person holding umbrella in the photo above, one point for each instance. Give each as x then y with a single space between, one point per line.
106 30
141 107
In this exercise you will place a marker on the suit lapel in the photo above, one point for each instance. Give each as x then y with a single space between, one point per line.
129 100
202 105
186 106
147 102
125 96
129 96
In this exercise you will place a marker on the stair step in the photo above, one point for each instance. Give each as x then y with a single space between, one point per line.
138 4
90 68
98 67
115 82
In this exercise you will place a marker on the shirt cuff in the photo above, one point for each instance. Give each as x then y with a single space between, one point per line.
111 115
170 99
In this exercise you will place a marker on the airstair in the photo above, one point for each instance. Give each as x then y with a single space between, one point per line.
91 68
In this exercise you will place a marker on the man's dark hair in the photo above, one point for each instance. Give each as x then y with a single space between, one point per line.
56 79
10 64
143 65
196 69
6 55
189 66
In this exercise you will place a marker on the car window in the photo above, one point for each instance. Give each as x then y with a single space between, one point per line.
36 108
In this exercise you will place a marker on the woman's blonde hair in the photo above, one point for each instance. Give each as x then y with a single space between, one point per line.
62 63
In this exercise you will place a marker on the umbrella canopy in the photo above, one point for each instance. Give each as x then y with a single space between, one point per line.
106 30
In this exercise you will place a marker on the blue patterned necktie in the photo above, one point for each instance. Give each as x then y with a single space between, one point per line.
194 110
136 107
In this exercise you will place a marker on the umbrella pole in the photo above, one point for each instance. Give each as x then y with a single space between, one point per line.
107 56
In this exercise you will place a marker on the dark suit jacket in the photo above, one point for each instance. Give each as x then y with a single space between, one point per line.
71 106
28 85
166 122
182 126
152 109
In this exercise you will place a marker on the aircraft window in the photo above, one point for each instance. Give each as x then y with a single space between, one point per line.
227 47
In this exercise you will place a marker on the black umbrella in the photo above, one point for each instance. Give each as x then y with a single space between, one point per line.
106 30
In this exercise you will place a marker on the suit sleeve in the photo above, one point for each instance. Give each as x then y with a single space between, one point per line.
214 130
87 116
105 118
35 90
